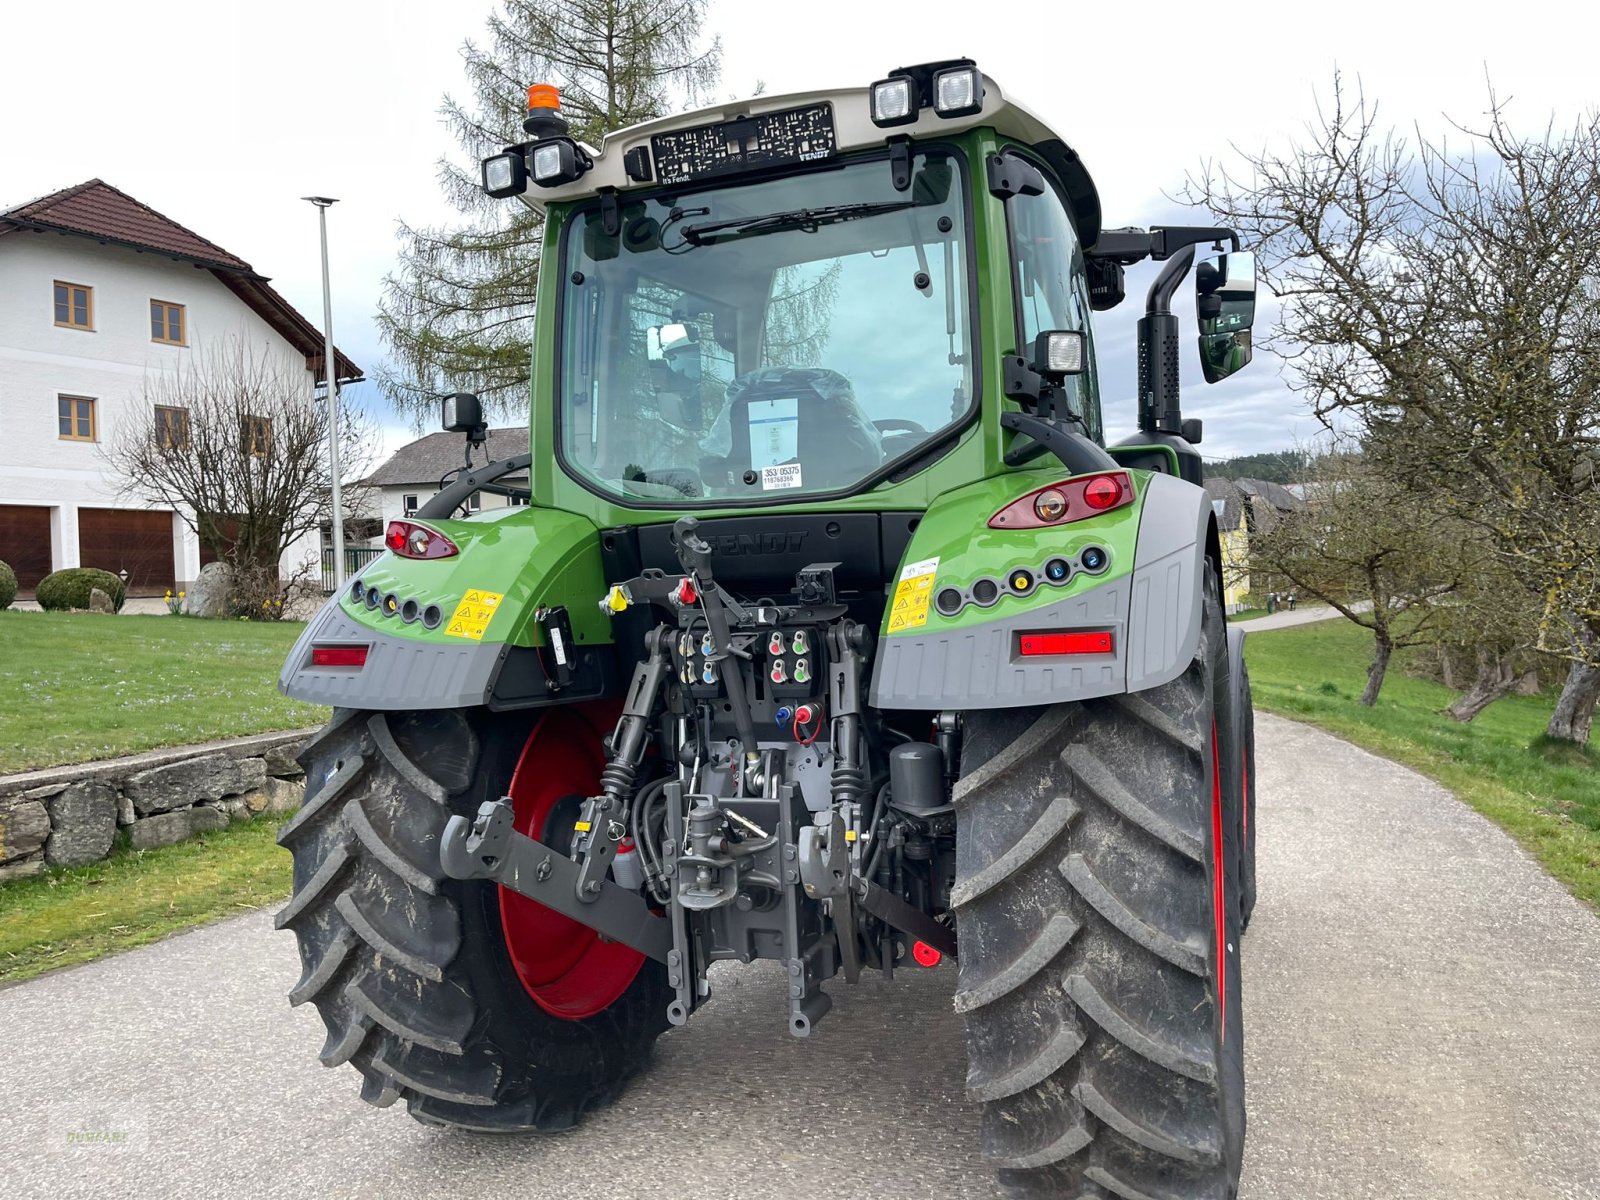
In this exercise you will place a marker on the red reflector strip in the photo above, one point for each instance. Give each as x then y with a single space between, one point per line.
1218 886
1093 641
338 656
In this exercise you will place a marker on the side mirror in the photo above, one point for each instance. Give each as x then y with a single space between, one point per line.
460 413
1225 303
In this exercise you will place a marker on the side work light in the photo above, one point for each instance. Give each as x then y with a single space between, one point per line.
1058 352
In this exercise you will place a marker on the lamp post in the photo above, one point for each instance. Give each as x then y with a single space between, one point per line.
331 371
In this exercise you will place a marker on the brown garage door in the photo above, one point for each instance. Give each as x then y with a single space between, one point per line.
139 543
25 542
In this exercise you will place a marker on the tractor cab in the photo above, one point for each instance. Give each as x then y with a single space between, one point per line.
806 297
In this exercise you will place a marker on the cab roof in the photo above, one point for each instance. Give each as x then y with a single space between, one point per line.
854 131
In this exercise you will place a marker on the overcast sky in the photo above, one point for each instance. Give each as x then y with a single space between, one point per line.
222 114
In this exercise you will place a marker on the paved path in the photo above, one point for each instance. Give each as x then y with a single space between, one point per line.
1298 616
1421 1015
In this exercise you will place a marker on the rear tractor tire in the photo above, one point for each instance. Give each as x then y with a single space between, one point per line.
1097 904
413 973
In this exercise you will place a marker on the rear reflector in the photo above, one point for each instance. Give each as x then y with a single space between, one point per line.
1094 641
338 656
925 955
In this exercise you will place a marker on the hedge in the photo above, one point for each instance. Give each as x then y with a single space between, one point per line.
8 585
70 588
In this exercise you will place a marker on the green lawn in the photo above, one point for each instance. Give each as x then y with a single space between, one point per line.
1549 800
79 686
137 896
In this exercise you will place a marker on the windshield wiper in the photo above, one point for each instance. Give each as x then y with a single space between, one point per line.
808 220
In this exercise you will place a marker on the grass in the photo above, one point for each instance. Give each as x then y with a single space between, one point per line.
1546 796
81 686
137 896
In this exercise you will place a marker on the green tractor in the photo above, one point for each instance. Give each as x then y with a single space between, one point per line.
826 630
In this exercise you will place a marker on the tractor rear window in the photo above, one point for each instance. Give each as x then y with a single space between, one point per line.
766 341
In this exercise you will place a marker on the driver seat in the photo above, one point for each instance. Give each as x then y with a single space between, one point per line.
836 444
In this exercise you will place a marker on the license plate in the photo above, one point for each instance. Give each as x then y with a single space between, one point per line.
795 135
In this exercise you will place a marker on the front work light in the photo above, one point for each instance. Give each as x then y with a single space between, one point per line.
958 91
894 101
505 175
555 162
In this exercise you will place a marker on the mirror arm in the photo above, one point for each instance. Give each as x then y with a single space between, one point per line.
1166 283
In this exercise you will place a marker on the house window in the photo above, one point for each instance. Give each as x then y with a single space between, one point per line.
258 436
475 502
166 323
518 501
76 418
409 504
74 306
172 427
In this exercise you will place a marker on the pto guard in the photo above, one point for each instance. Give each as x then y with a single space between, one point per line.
1148 596
511 563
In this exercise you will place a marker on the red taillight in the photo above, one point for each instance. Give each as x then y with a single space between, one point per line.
410 540
1079 641
1067 501
1102 492
926 955
339 656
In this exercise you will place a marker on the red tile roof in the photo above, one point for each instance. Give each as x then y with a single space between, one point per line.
97 210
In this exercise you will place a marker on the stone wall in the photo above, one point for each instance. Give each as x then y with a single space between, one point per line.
70 816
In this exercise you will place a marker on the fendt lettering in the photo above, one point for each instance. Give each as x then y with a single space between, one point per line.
762 543
683 733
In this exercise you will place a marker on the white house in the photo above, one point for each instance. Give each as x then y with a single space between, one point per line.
414 473
96 291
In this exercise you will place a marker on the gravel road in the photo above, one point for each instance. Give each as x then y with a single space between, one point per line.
1420 1008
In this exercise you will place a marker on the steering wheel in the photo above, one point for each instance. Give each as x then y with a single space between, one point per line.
895 425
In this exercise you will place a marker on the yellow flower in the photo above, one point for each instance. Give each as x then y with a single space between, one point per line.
181 595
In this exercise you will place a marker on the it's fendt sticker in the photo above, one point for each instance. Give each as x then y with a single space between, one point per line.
473 614
912 595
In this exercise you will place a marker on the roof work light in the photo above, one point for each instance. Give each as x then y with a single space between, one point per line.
952 89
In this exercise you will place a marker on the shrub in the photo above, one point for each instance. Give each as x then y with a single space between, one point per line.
8 585
71 588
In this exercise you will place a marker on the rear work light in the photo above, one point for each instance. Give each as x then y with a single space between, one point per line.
339 656
1067 501
1044 644
410 540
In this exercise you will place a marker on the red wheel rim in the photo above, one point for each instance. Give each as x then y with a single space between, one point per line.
568 969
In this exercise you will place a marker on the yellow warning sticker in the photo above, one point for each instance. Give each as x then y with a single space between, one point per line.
912 595
473 614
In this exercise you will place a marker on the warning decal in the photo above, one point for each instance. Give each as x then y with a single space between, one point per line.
912 596
473 614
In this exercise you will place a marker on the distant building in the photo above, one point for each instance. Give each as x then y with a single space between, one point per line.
1264 502
96 292
1229 504
416 472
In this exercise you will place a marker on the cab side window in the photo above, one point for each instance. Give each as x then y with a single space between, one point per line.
1051 289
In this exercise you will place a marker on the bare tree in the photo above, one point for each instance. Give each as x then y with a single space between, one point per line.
1446 297
235 441
1366 546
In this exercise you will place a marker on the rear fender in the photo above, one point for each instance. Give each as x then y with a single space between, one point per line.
486 648
1148 598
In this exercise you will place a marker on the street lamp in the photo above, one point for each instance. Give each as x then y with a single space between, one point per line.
330 370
